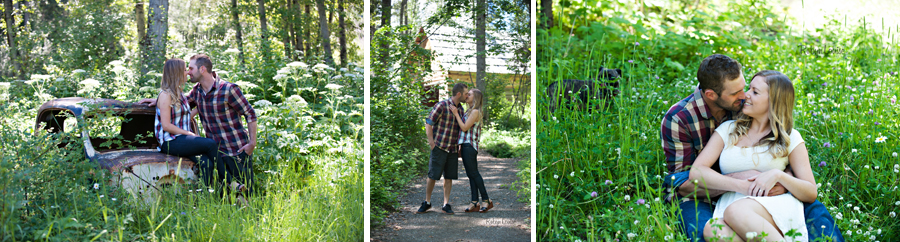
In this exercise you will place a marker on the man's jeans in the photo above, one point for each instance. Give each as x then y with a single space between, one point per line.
695 214
190 147
239 168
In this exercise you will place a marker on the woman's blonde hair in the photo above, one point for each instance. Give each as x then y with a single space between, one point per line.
173 80
781 119
476 101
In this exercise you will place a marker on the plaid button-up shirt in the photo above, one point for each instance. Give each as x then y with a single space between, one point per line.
220 111
444 126
686 128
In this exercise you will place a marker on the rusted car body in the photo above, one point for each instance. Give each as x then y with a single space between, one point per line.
135 163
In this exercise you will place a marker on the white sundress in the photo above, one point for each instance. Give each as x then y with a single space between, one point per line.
786 210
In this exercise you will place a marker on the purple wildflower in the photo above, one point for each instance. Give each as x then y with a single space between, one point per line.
894 100
640 202
875 82
630 61
657 78
608 182
636 43
594 194
870 111
825 84
840 133
817 76
822 164
826 145
877 123
851 98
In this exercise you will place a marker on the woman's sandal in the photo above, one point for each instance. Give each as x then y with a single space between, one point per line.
489 207
473 208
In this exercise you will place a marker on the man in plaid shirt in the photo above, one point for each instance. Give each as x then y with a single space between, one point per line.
443 138
220 105
686 128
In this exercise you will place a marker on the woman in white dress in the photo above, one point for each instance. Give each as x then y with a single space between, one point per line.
761 138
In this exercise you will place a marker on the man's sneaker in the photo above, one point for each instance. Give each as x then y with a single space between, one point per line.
424 208
447 209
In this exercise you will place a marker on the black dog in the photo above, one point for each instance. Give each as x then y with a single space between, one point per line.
585 90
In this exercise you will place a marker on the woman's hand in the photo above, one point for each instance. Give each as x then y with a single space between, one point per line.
762 183
453 109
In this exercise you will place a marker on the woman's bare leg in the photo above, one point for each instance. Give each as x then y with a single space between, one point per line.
722 233
747 215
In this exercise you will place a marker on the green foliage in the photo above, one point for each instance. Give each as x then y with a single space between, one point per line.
399 149
594 166
506 144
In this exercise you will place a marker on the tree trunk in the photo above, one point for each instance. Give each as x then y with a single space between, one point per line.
403 18
157 33
385 22
140 19
11 35
298 42
547 13
25 9
342 35
239 37
306 31
264 29
385 13
286 35
324 35
480 53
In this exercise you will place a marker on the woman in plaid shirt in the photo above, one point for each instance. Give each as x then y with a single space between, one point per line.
470 125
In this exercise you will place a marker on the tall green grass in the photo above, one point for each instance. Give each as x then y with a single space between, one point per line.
599 173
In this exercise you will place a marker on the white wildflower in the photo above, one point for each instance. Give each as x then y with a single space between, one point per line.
262 103
751 235
333 86
298 64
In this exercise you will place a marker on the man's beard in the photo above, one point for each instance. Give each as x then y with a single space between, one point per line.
194 79
730 106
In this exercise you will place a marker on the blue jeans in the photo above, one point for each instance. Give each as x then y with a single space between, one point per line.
239 168
209 164
470 162
694 215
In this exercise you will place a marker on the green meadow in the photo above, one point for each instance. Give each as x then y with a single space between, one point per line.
599 172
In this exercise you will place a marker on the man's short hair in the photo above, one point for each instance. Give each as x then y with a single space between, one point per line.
202 60
459 87
715 70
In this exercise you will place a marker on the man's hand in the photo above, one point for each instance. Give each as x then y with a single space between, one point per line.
688 189
431 143
149 101
778 189
248 148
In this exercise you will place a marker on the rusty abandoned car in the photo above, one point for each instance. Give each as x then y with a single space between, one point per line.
119 139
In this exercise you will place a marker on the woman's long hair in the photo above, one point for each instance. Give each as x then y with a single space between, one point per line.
781 118
476 101
173 80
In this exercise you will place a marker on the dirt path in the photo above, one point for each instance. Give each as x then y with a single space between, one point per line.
507 221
